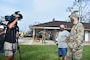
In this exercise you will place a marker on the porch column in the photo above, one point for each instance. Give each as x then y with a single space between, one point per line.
33 34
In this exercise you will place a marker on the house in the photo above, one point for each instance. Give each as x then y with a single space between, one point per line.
53 27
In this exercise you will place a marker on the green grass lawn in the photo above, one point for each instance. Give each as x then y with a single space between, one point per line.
43 52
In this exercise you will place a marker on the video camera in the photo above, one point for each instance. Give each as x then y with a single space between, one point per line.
14 16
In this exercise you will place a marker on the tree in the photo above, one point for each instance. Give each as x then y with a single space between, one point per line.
82 8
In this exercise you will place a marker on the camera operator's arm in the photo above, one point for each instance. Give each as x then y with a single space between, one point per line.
12 23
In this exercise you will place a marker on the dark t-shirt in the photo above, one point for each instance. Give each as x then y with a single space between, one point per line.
10 35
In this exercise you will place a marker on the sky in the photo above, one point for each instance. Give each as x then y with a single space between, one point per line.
36 11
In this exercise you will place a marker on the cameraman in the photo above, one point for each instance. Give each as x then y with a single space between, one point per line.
10 39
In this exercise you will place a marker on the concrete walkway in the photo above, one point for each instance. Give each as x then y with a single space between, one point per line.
29 41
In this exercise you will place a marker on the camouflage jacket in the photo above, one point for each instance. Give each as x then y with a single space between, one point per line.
76 36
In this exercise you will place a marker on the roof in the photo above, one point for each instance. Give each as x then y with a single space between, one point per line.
57 23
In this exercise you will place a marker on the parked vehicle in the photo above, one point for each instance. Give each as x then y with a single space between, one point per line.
28 35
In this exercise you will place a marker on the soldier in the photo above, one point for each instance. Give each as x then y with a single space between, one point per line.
76 39
43 36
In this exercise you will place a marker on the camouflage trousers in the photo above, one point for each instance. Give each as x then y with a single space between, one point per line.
74 56
43 39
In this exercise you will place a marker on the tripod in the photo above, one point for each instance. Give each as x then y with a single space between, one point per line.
18 48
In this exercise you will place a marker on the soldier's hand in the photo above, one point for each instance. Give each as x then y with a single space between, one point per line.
73 50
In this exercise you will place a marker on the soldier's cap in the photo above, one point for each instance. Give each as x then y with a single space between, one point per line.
73 15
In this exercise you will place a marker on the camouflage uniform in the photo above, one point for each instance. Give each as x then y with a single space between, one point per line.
43 36
75 42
